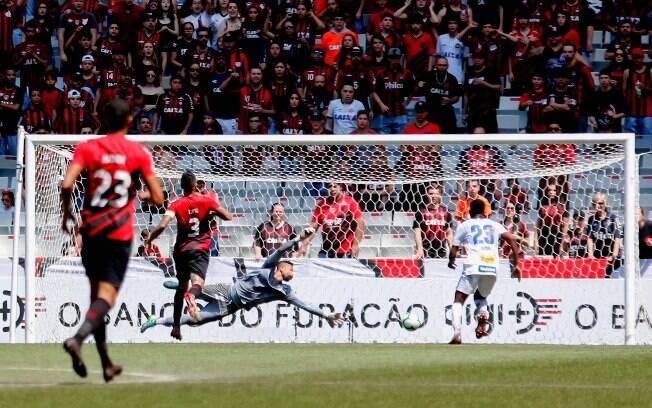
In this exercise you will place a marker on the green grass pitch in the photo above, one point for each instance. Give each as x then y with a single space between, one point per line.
346 375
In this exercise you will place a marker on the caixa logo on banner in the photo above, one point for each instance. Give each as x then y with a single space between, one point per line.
529 314
5 311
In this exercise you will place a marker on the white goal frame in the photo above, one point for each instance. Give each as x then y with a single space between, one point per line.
28 142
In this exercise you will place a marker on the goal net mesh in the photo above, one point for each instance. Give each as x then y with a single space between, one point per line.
546 193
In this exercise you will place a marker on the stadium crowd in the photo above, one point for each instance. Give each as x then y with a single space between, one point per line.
331 66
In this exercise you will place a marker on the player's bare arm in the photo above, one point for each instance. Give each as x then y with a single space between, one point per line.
154 193
452 256
165 221
73 172
514 242
358 236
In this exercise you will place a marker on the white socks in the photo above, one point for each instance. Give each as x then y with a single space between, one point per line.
457 319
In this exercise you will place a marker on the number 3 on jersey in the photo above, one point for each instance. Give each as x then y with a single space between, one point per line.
117 183
194 227
484 235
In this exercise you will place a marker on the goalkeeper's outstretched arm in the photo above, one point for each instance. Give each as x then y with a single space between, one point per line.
334 319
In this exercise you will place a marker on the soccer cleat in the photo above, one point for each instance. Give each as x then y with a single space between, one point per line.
483 327
193 310
111 371
73 347
151 322
171 284
457 339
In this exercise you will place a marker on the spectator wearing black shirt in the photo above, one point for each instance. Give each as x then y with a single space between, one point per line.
607 106
605 235
432 226
482 90
271 234
223 94
442 91
174 109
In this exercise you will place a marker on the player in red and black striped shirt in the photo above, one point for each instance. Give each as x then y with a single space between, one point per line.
113 165
255 99
535 100
193 212
72 118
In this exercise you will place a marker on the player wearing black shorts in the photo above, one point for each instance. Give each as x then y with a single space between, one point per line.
113 165
193 212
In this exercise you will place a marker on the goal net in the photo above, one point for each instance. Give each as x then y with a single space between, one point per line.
385 207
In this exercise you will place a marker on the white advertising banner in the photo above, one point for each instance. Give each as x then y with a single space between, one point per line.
551 311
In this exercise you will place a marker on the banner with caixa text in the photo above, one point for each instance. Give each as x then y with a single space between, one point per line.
553 311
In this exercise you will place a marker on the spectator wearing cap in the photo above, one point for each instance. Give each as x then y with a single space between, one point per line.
449 45
342 112
31 58
606 107
331 41
34 119
550 58
198 16
421 124
223 94
534 100
11 98
89 76
317 67
419 47
316 124
72 25
441 90
174 109
355 72
256 99
180 50
237 59
637 85
391 94
232 23
87 96
72 118
482 90
562 101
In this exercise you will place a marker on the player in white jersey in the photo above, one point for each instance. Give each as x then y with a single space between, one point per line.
481 239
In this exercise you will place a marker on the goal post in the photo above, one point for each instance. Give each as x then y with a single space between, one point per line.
271 162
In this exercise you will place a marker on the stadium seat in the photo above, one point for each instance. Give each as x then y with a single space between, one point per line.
398 240
508 104
403 219
241 219
298 219
368 252
377 222
370 240
229 251
645 182
247 252
511 123
396 252
598 55
6 245
4 182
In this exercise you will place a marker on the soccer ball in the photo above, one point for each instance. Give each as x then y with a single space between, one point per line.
411 321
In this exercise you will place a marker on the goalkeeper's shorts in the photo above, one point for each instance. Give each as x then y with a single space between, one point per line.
219 300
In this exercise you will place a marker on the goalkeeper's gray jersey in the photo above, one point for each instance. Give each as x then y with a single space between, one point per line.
258 286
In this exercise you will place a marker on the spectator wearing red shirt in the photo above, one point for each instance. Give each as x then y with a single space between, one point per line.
514 226
526 41
35 119
552 224
432 226
419 47
148 248
569 35
637 85
580 18
255 98
341 221
421 125
391 95
72 119
534 101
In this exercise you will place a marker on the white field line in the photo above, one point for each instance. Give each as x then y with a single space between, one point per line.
134 377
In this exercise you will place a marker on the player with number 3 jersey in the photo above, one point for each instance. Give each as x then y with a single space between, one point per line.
481 238
113 166
193 212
